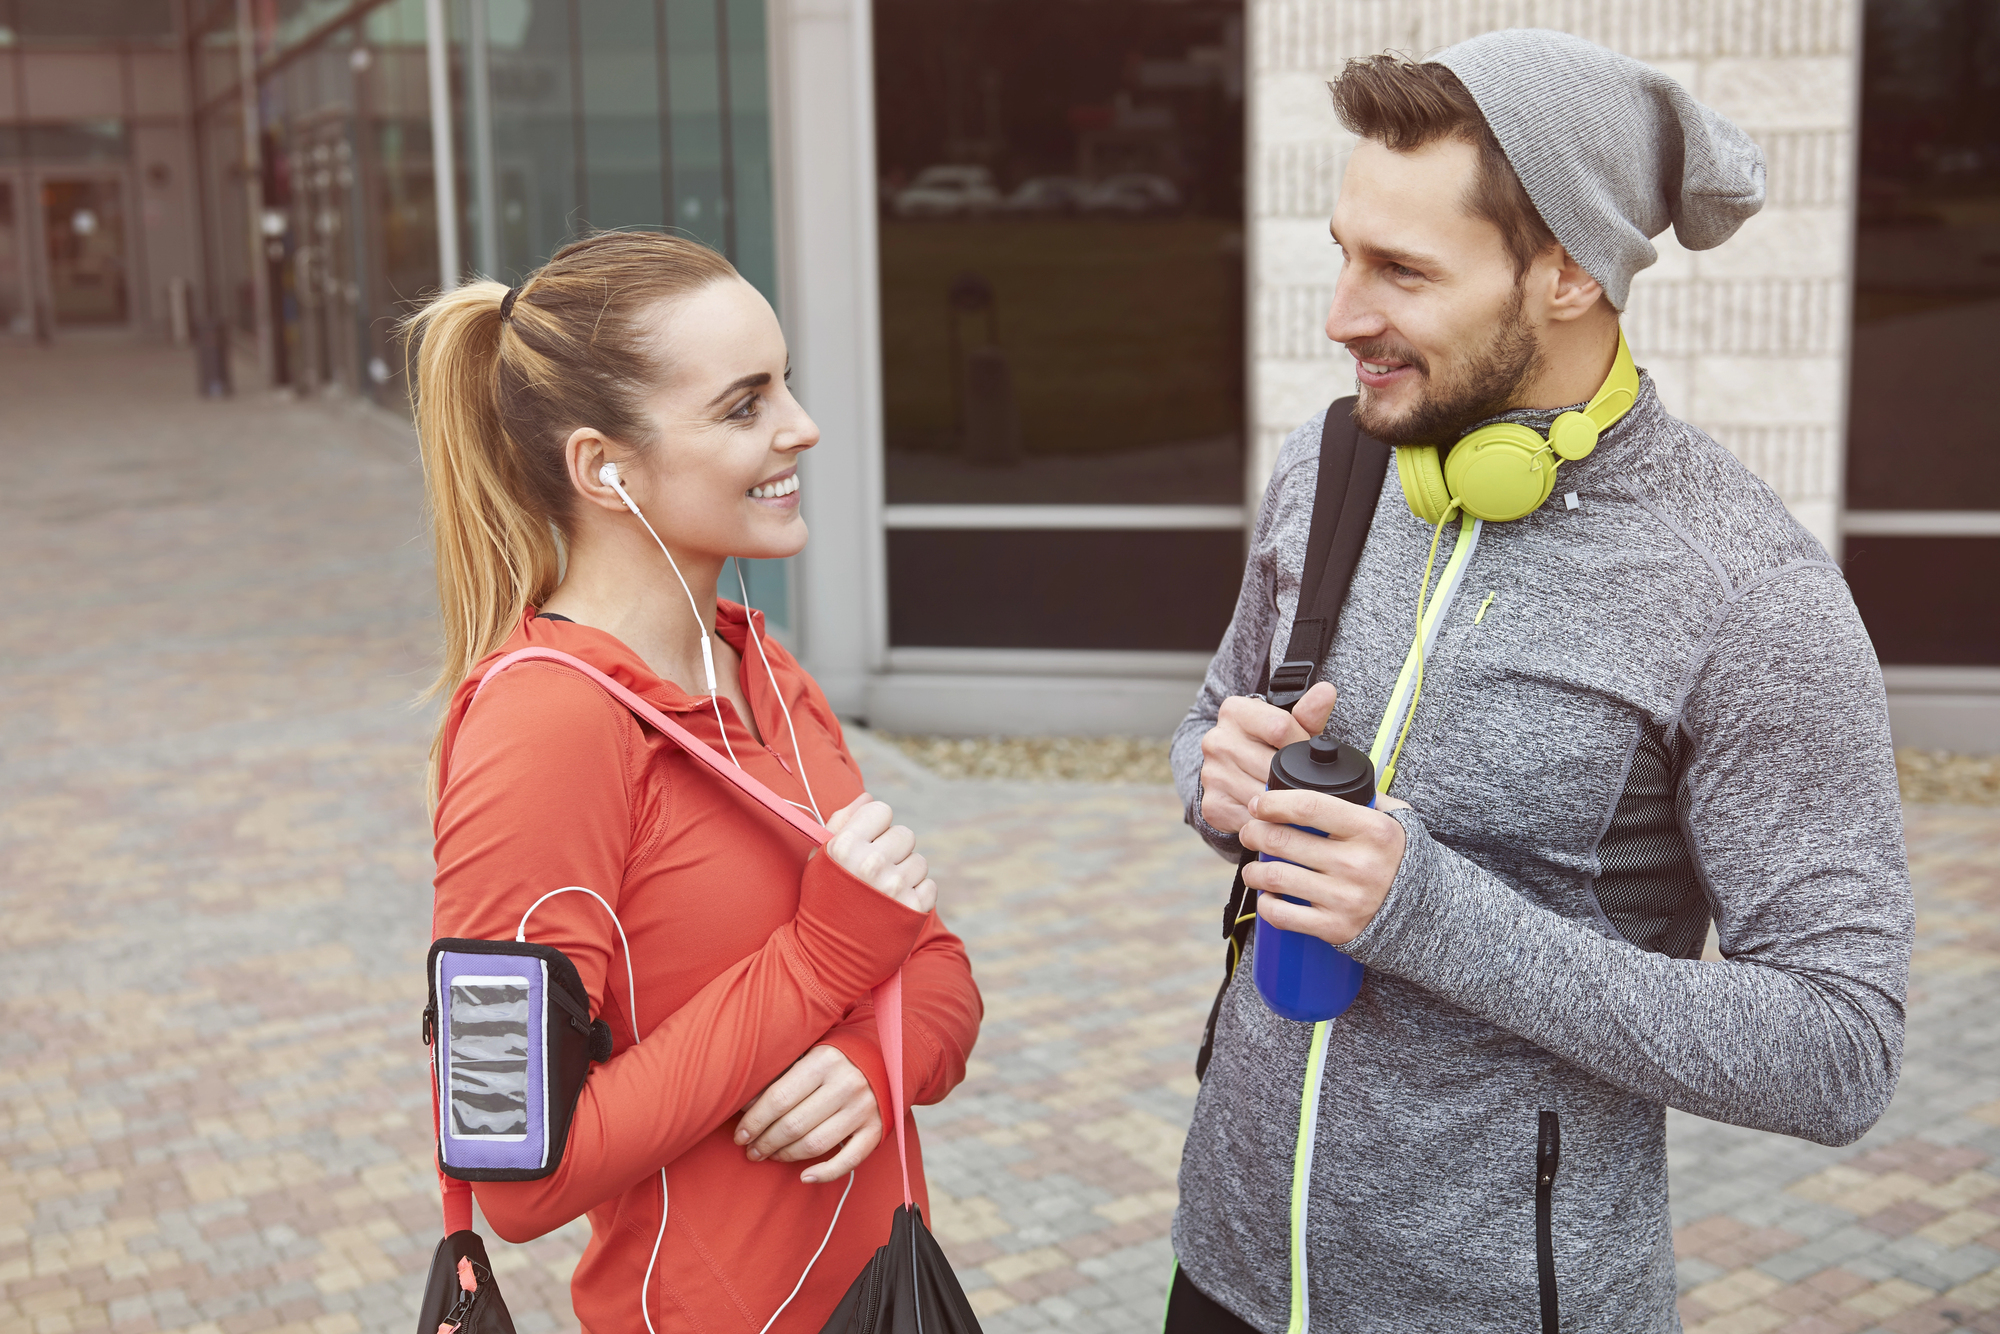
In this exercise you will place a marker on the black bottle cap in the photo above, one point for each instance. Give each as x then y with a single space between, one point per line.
1319 765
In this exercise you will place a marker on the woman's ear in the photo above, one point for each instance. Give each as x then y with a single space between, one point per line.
584 455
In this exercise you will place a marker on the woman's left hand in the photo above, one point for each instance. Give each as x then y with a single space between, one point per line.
810 1110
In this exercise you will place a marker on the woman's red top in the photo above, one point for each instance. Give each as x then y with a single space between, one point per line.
744 955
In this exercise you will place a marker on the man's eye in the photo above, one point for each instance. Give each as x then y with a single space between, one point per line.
1404 271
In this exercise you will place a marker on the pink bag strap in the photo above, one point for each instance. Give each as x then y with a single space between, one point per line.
888 995
685 739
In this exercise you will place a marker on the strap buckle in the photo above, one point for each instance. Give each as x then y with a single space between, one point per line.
1290 681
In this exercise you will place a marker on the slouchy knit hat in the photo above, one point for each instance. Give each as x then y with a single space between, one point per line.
1611 151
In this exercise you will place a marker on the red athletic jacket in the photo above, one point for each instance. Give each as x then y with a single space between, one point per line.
744 955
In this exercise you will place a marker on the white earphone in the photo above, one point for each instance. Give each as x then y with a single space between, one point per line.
608 475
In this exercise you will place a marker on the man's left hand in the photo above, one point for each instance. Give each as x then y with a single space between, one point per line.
1342 877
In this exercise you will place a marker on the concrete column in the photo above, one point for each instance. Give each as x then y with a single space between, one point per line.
444 165
823 131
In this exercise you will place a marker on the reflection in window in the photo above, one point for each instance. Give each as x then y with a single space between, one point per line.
1927 259
1061 250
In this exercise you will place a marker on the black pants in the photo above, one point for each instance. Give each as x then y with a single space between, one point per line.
1192 1311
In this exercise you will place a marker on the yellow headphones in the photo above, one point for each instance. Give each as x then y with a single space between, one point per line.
1505 471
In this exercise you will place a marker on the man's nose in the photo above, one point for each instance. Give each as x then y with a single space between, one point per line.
1351 316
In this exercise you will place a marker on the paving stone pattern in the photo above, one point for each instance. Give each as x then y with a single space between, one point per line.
214 897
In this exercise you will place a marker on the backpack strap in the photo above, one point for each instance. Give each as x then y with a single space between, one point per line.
1351 468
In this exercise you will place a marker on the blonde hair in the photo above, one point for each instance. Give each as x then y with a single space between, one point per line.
495 400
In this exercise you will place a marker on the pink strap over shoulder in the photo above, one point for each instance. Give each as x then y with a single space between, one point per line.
888 995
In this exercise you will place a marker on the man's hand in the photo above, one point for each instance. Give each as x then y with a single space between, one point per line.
1343 877
1236 753
808 1111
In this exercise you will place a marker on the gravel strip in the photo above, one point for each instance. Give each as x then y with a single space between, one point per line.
1929 777
1940 778
1040 759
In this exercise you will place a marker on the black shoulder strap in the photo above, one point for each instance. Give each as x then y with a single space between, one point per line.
1351 468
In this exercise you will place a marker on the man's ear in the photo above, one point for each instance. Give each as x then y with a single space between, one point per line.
1571 292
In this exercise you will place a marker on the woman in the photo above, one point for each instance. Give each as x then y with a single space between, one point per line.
712 1156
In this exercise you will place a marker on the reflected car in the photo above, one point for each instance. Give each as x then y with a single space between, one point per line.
1048 194
1133 194
947 192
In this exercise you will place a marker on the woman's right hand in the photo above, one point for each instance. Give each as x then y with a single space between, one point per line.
867 846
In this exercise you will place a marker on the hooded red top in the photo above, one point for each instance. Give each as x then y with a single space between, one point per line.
744 954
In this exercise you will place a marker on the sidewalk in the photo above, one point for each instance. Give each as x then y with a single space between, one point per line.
214 871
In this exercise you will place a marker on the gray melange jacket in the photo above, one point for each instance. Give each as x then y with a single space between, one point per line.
1676 630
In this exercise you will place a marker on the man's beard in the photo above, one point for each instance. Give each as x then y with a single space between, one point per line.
1485 387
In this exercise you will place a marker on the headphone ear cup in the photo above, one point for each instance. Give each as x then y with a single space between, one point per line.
1422 476
1501 472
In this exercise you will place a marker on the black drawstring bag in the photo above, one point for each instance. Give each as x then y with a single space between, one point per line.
908 1287
448 1304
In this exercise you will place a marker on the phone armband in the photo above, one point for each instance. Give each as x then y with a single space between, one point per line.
511 1038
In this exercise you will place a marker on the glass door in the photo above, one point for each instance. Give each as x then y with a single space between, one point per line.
84 244
15 316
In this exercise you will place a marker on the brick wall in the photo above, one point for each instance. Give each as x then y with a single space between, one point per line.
1748 341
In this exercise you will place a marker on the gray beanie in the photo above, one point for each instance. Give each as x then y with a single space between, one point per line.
1611 151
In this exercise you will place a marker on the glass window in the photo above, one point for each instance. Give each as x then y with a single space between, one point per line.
1063 588
1061 250
1927 259
621 115
1928 601
78 141
93 22
539 176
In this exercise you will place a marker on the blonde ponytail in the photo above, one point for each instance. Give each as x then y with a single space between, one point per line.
495 401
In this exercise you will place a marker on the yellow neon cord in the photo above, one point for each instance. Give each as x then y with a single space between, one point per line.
1483 606
1423 597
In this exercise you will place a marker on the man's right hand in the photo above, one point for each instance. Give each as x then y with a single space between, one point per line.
1236 753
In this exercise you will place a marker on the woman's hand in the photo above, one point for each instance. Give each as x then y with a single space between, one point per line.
871 849
809 1110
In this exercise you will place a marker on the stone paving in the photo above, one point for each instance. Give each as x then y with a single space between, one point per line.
214 894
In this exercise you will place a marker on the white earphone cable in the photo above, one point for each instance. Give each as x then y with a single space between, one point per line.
609 474
632 998
798 755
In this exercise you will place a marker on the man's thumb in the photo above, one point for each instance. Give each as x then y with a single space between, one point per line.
1312 710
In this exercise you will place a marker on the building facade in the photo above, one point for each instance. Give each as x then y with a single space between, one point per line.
1053 271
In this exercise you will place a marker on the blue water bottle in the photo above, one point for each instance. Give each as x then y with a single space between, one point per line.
1302 977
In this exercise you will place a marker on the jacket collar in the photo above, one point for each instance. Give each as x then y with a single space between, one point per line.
621 663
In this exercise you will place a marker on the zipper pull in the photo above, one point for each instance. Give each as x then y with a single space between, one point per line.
779 758
430 1023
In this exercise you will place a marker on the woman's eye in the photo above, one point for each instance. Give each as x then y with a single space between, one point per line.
745 410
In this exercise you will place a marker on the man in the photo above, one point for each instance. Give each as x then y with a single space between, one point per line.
1646 703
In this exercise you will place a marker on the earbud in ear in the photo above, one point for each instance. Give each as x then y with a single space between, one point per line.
608 474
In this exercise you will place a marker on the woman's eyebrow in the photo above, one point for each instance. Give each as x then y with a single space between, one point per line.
758 380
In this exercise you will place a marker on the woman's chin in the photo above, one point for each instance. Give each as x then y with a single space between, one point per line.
788 540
